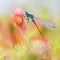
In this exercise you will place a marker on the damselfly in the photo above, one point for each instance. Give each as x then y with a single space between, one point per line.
46 24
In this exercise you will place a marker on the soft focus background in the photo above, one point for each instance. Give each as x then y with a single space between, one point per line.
12 46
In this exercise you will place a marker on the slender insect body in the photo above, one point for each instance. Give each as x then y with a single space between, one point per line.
46 24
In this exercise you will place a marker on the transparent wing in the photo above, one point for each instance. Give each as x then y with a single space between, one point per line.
46 24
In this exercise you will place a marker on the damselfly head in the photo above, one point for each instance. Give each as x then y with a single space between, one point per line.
26 18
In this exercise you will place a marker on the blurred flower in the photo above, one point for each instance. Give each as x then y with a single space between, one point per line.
40 38
40 46
15 35
18 18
